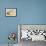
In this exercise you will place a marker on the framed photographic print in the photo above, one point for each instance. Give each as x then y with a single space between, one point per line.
33 32
11 12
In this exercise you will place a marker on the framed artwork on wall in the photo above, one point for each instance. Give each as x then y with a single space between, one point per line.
33 32
11 12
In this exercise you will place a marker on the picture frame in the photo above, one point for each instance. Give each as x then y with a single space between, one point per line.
11 12
39 28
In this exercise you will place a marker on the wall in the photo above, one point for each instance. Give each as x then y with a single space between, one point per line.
28 12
